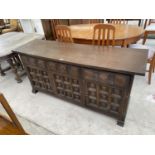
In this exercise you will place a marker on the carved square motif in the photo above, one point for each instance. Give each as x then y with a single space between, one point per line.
104 104
62 68
76 89
90 74
40 63
104 88
31 61
103 76
104 96
116 99
52 66
114 109
76 97
117 91
67 87
60 91
121 80
92 101
91 85
74 71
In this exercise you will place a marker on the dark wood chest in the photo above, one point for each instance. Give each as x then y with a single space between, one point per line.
89 76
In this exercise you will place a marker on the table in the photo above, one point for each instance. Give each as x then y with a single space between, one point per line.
124 35
10 41
150 29
95 77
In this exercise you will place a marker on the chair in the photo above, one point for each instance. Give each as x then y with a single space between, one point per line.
104 34
8 127
150 29
63 33
118 21
54 23
150 61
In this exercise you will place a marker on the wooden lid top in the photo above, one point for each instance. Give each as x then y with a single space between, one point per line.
124 60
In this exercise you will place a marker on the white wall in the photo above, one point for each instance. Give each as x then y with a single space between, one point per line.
32 26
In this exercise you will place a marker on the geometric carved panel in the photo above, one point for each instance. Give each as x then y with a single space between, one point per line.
104 97
68 87
40 79
104 90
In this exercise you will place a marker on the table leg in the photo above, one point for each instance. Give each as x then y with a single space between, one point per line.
34 91
145 37
14 70
19 61
146 20
1 71
124 44
139 22
120 123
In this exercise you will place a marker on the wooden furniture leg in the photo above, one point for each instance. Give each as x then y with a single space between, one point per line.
14 70
1 71
145 37
139 22
19 60
150 73
145 23
11 114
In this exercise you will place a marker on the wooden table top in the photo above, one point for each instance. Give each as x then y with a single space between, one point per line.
123 31
11 40
124 60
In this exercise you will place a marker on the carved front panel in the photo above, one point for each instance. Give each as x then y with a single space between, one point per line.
37 73
103 90
104 97
40 79
68 87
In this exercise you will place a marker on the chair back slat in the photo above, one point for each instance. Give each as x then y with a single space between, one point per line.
54 23
118 21
104 34
63 33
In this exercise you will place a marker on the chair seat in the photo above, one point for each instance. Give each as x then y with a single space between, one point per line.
150 27
151 50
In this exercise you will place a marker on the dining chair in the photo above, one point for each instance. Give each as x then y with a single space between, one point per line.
104 34
149 29
118 21
63 33
150 60
7 126
54 23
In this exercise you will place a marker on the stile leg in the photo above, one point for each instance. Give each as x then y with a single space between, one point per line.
14 70
1 71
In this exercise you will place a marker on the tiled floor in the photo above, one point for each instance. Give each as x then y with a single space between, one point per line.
43 114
